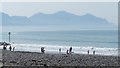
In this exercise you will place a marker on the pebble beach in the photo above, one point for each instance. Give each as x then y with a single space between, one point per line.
21 58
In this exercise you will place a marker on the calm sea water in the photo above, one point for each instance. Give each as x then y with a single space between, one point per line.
81 41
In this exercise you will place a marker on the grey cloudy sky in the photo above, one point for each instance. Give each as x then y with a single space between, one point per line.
107 10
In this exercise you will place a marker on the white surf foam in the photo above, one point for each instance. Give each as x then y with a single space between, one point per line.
55 49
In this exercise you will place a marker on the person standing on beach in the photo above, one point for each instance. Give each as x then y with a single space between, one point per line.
13 48
4 48
10 48
67 51
42 50
70 50
59 50
93 52
88 51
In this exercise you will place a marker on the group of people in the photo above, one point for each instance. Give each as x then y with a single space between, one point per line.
93 52
67 52
70 51
10 48
43 50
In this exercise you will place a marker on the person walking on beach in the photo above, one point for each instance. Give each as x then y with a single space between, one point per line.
67 51
10 48
70 50
4 48
13 48
93 52
42 50
88 51
59 50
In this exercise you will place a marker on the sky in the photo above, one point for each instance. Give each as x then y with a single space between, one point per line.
59 0
0 21
106 10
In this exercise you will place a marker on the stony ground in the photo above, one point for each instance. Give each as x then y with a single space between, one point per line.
37 59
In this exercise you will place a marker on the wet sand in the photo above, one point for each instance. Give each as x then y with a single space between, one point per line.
20 58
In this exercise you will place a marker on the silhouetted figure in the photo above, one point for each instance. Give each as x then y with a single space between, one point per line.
59 50
42 50
93 52
10 48
67 51
13 48
70 50
88 51
4 48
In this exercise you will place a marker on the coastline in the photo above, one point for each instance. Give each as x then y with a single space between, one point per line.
22 58
55 49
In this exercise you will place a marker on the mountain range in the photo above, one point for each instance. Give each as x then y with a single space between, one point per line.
58 18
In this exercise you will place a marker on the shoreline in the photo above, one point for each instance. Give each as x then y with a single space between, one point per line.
55 49
22 58
62 53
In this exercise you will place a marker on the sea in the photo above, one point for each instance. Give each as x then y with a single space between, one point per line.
103 42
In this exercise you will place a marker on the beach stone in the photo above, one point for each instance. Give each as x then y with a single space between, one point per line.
33 60
13 62
37 59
